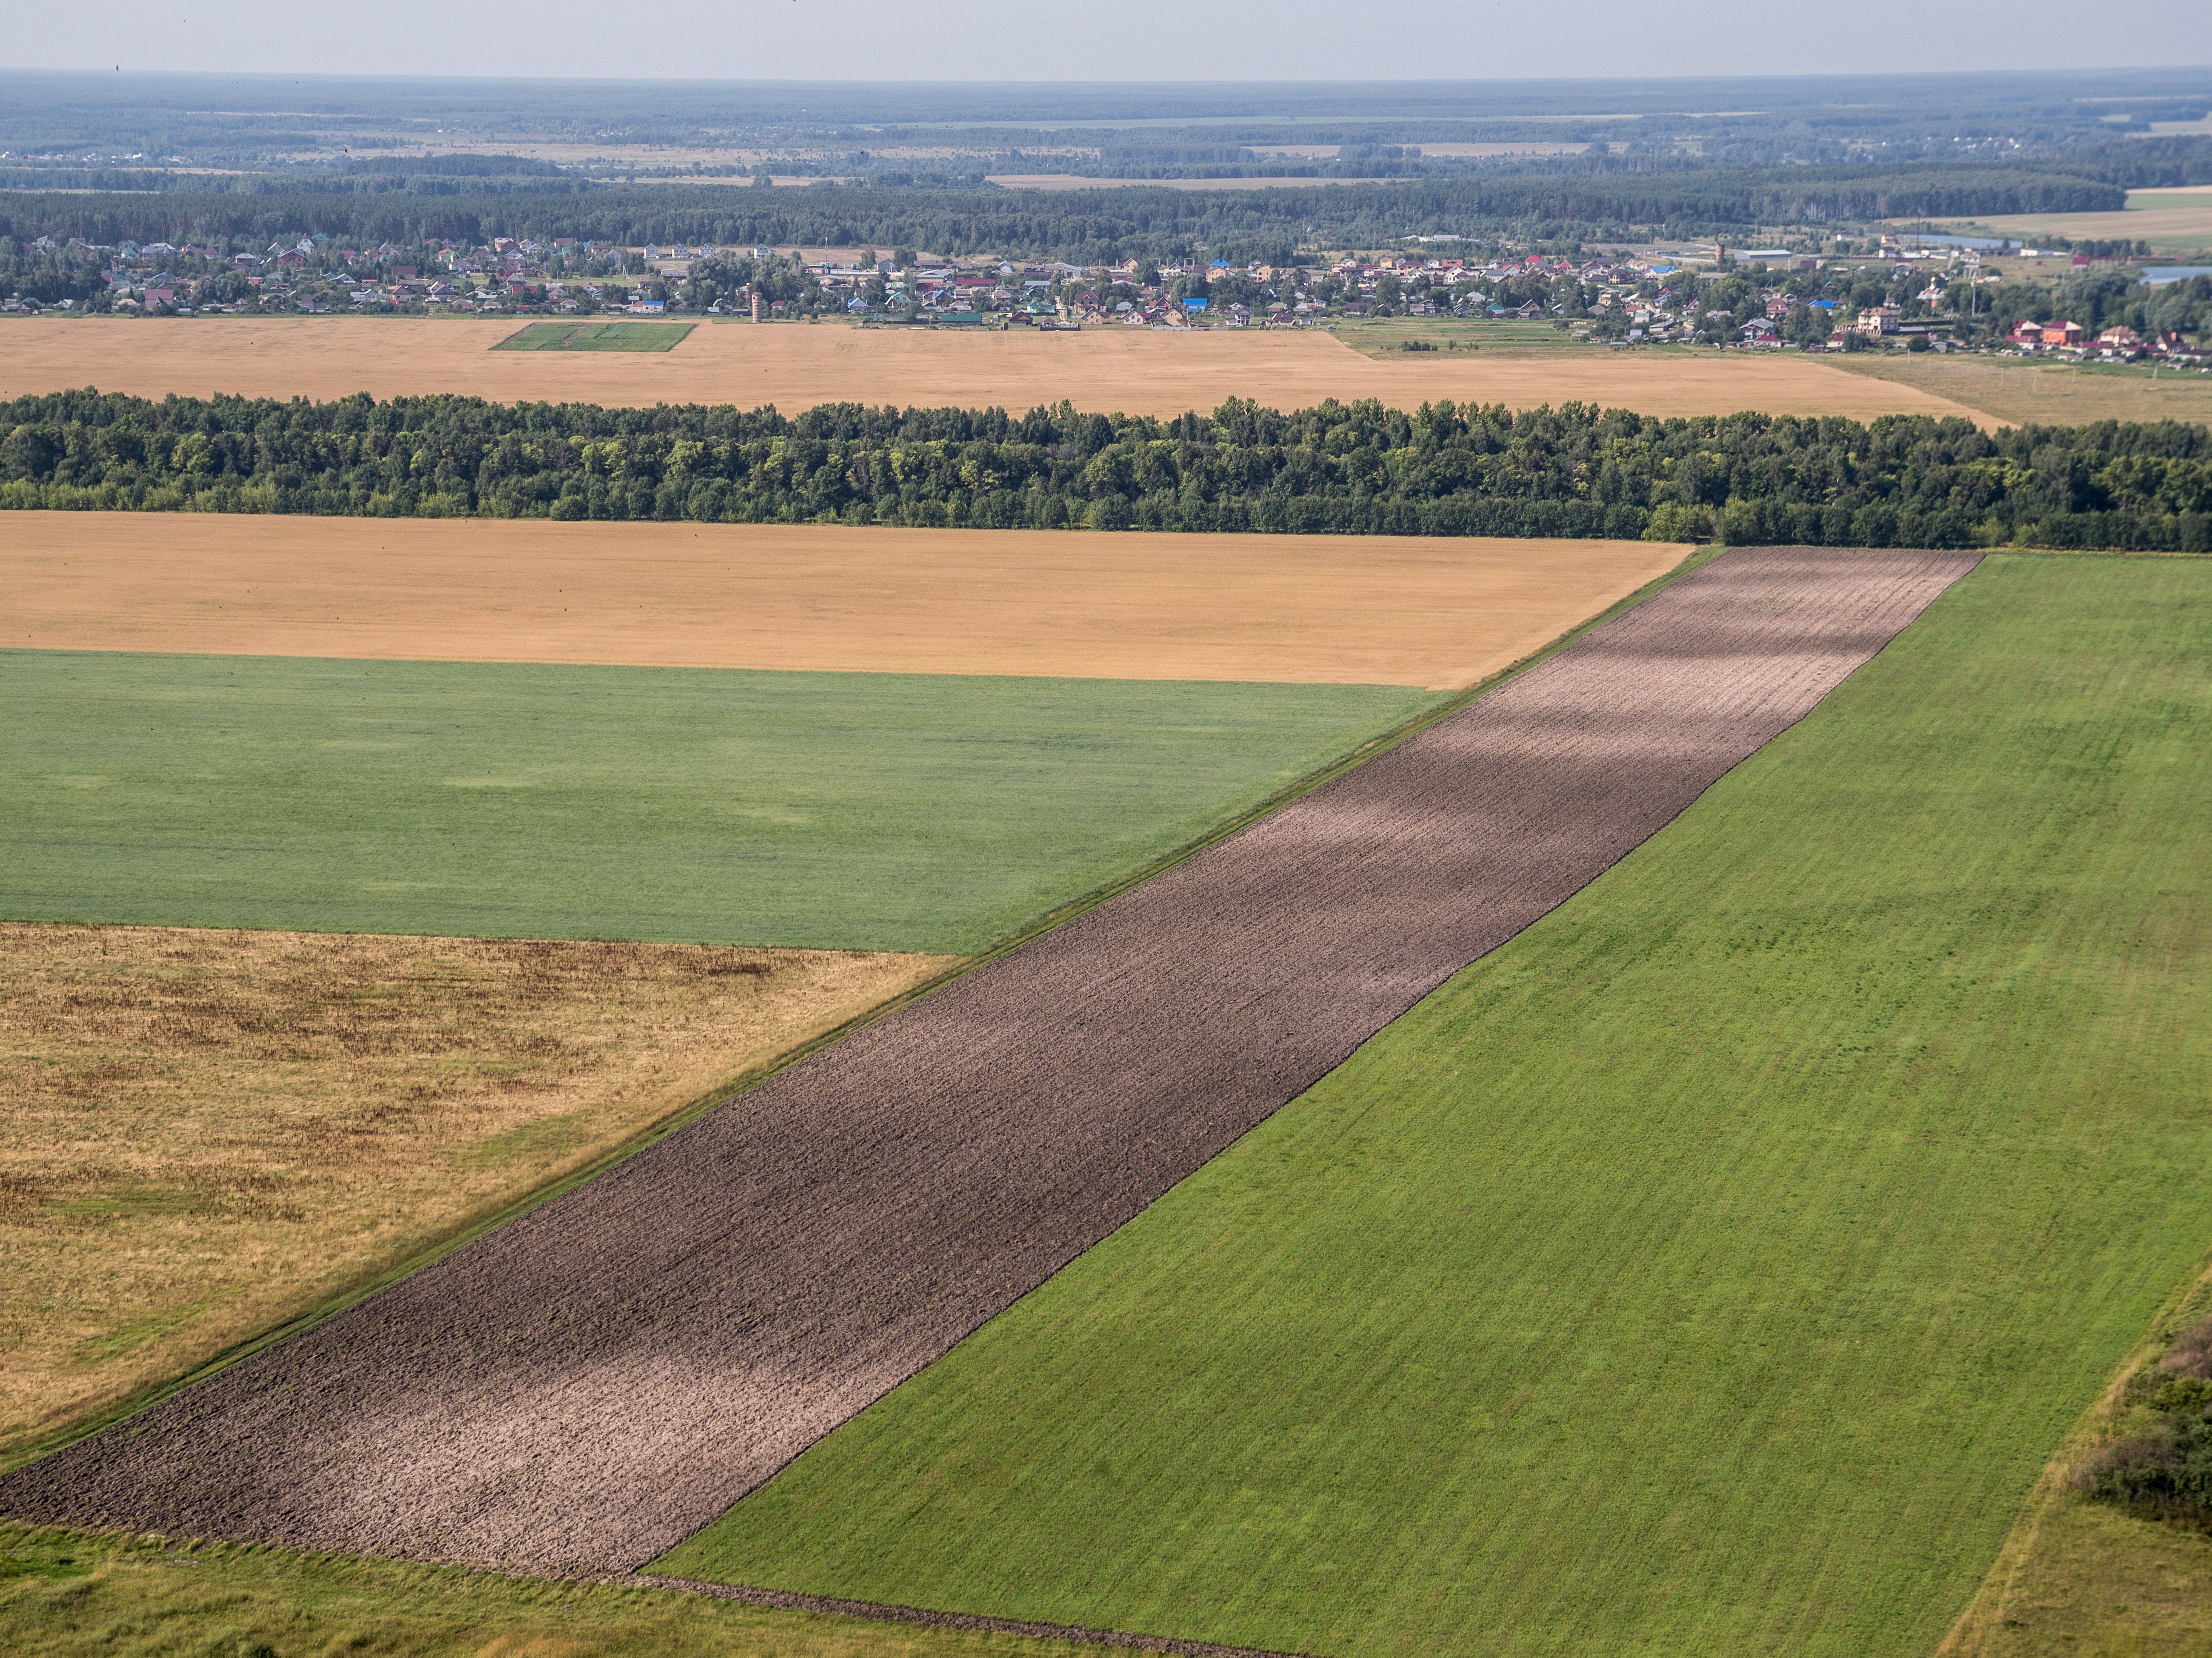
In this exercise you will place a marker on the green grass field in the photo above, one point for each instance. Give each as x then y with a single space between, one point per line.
1385 338
76 1595
864 810
1712 1269
596 336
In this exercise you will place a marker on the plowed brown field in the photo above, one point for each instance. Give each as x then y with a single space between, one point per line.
795 366
1344 609
576 1392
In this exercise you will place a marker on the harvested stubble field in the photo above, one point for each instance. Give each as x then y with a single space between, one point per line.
724 1297
880 812
2024 394
2173 223
206 1133
1711 1269
796 365
1339 609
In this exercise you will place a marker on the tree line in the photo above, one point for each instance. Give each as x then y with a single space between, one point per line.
1357 468
1550 200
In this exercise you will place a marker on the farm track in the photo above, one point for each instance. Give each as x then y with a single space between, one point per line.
576 1392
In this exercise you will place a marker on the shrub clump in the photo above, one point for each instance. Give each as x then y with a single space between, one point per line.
2163 1466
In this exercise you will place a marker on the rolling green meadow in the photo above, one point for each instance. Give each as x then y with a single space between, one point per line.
875 811
1712 1269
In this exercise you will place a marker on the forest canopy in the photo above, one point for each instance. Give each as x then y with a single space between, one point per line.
1357 468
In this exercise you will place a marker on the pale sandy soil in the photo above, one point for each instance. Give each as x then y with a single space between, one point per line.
202 1133
795 366
1344 609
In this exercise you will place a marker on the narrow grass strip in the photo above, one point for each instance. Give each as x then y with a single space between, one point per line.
1117 1640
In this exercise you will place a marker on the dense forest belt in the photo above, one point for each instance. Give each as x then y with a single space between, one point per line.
1615 195
1357 469
577 1391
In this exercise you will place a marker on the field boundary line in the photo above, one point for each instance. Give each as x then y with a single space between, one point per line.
1985 1613
731 1089
877 1612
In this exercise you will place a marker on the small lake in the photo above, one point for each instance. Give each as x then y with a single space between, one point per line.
2159 275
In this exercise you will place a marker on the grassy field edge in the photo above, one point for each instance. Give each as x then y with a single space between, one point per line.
1985 1614
67 1592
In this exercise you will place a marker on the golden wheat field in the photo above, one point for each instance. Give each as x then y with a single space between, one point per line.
208 1132
1344 610
796 365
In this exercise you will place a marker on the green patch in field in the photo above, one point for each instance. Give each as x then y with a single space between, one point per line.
131 1200
1388 338
72 1594
875 811
1712 1269
129 1337
596 336
547 1137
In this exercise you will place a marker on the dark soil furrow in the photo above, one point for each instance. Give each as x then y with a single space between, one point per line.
576 1392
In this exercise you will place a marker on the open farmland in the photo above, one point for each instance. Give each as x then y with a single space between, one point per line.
797 366
2025 394
883 811
738 1289
2173 223
1338 609
1712 1269
210 1132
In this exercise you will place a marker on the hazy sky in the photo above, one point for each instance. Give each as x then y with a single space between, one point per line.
1289 39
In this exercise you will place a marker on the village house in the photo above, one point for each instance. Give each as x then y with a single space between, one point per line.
1877 320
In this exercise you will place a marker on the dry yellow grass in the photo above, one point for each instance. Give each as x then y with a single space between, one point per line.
1338 609
2170 220
795 366
2022 394
204 1133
